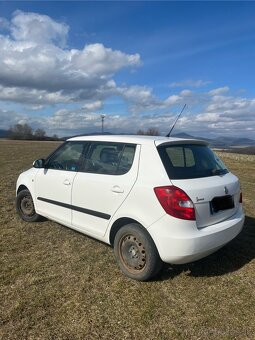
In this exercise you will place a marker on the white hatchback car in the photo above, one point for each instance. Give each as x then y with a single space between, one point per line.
155 199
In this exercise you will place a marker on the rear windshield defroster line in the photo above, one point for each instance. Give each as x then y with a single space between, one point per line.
187 161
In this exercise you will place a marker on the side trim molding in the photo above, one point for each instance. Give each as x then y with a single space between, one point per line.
79 209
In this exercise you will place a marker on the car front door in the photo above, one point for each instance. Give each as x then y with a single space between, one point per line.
108 175
53 184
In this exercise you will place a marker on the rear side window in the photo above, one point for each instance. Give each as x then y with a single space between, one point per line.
109 158
187 161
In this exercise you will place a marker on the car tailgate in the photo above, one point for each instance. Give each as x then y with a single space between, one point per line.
215 198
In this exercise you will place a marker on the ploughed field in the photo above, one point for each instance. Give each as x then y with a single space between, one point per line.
58 284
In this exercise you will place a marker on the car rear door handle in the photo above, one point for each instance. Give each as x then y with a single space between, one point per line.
117 189
66 182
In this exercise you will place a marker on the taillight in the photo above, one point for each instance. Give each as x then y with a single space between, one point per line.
175 202
241 197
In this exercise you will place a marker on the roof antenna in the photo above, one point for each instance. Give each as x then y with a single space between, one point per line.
179 115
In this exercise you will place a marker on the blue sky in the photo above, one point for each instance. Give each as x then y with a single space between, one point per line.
63 64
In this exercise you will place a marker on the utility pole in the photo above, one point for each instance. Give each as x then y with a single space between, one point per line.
102 118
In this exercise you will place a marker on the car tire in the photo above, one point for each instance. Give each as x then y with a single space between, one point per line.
136 253
25 207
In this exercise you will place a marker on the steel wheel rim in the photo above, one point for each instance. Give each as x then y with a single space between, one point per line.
132 253
27 206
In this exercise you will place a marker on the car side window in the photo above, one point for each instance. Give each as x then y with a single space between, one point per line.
68 157
109 158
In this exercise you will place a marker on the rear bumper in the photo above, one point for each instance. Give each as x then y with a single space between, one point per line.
181 241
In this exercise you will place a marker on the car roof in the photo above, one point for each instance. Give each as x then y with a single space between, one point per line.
138 139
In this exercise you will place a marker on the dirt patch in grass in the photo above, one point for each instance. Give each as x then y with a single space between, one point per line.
58 284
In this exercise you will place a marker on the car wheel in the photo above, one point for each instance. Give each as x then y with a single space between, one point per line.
25 207
136 253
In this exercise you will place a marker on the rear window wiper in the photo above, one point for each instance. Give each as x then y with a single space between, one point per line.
218 172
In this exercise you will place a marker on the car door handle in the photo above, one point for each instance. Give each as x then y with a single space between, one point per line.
66 182
117 189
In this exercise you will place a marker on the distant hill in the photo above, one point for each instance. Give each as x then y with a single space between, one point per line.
183 135
232 141
219 142
4 133
222 142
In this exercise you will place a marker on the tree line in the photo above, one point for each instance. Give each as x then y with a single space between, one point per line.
149 132
25 132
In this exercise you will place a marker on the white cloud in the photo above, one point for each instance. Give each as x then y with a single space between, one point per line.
207 117
69 122
219 91
4 24
204 123
37 28
186 93
97 105
38 70
33 96
10 117
97 60
233 107
142 99
139 98
190 83
33 59
173 99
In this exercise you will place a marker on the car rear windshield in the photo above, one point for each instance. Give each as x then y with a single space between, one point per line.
185 161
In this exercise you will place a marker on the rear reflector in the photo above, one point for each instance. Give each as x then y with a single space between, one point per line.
175 202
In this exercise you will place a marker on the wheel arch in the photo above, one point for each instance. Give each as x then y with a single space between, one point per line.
120 222
22 187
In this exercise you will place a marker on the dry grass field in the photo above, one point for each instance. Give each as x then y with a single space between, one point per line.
58 284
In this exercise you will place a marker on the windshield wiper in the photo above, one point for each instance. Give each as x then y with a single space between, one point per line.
219 172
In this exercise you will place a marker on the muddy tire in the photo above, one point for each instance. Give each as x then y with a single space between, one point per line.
25 207
136 253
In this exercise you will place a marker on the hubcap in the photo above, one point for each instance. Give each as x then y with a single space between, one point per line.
27 206
132 253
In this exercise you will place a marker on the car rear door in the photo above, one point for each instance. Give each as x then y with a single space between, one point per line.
105 180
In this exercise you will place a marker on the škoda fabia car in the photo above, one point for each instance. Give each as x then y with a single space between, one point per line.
154 199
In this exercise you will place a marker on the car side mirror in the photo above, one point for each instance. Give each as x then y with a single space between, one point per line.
39 163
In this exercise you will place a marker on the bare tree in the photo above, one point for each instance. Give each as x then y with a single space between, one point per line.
21 131
55 137
152 132
140 132
39 134
149 132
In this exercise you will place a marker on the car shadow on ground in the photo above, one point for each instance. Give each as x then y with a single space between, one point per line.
230 258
